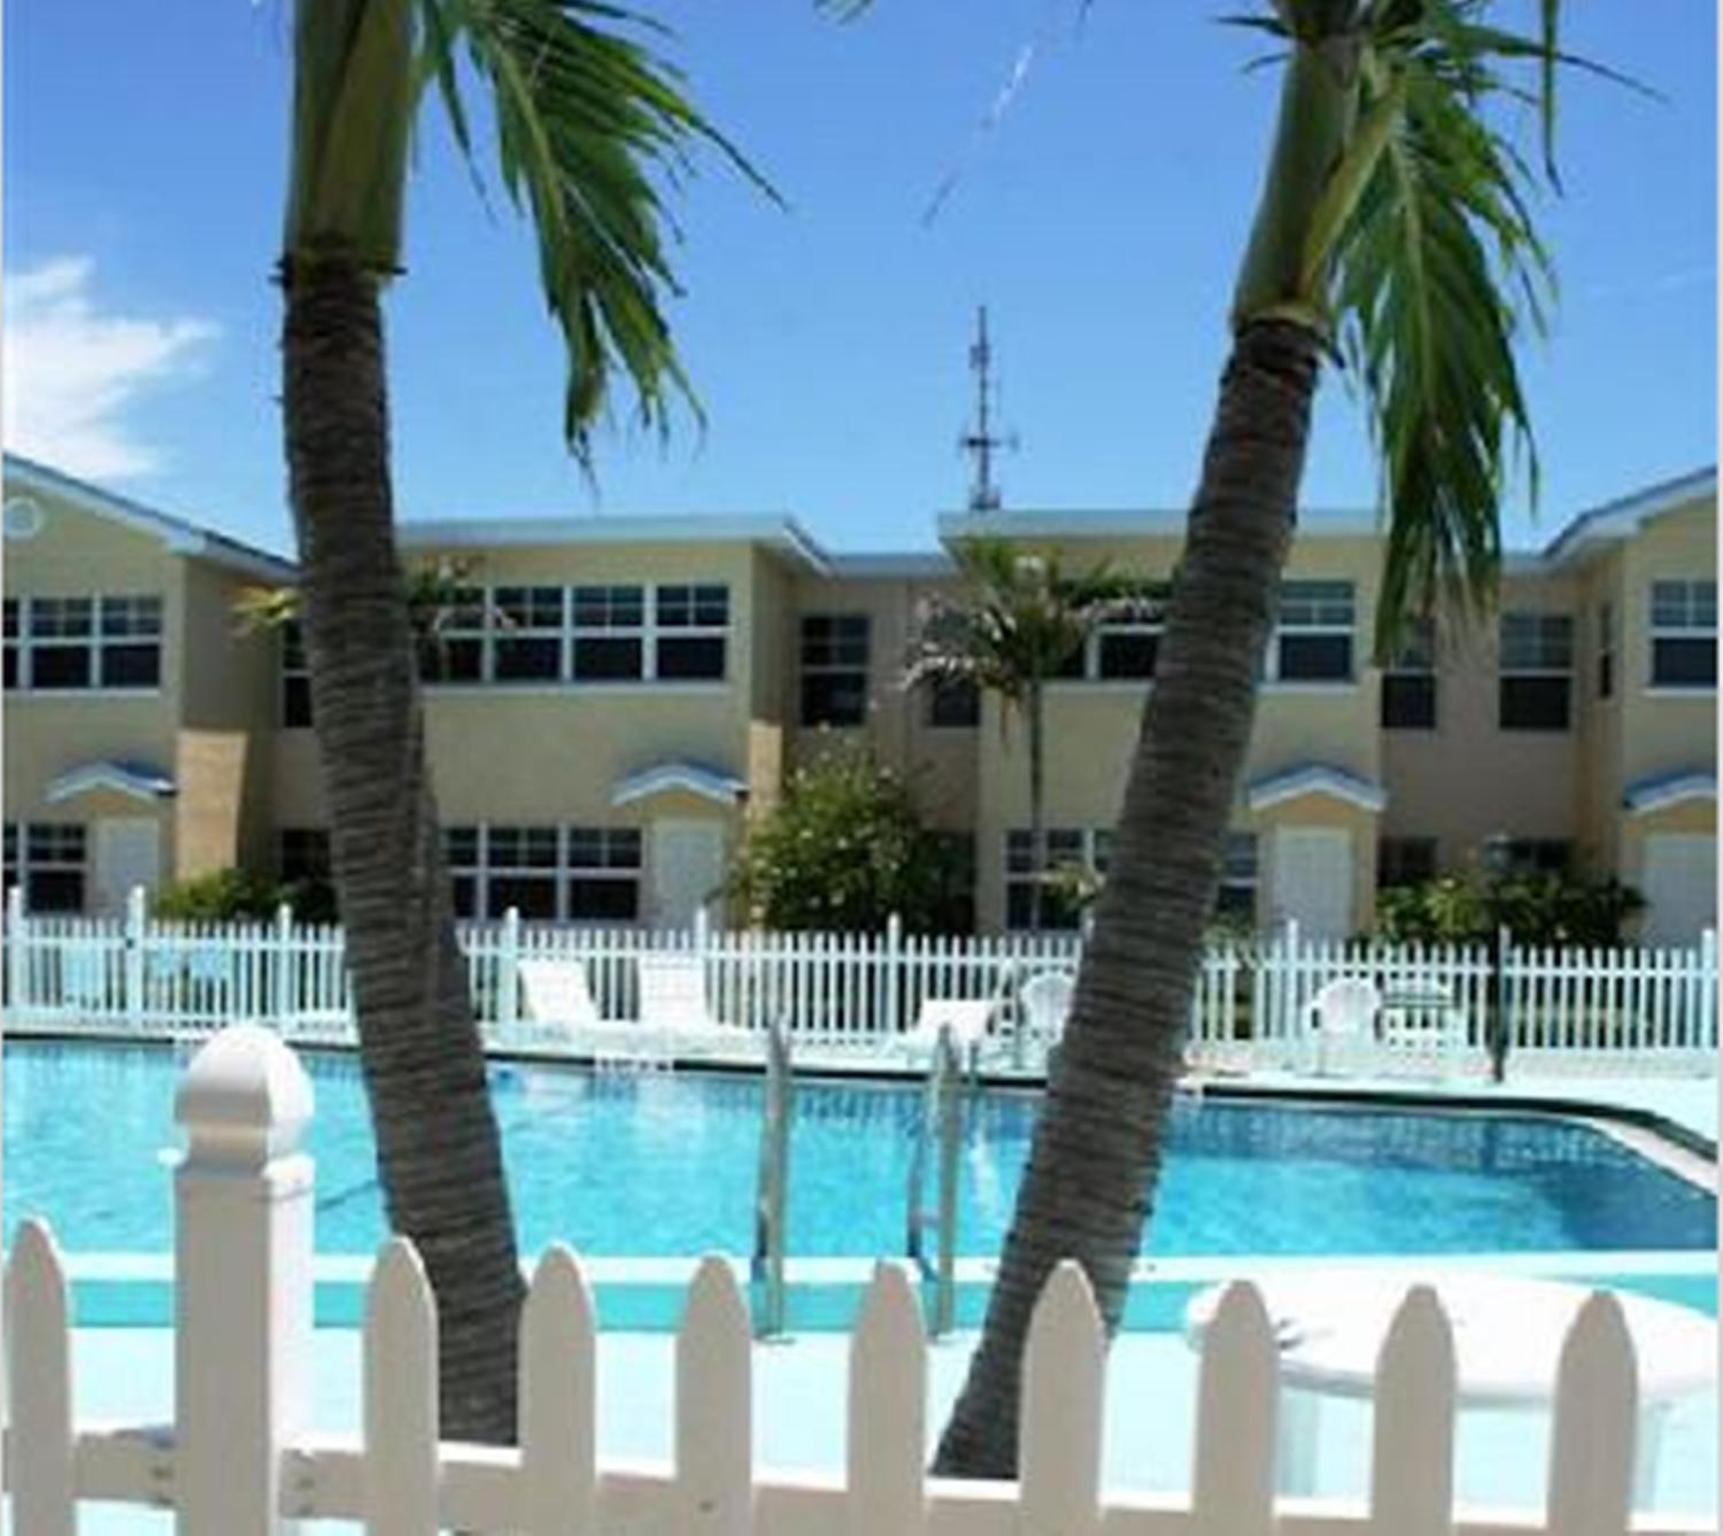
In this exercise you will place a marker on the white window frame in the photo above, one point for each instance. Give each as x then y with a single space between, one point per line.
619 873
658 631
25 860
488 866
294 666
1154 624
558 631
1689 625
1542 667
93 643
1231 879
1317 625
1093 852
829 669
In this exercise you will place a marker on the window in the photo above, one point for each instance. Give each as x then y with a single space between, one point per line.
303 855
1128 648
527 644
1069 852
603 874
1537 855
609 634
1236 898
295 677
1405 861
1605 649
692 625
79 643
953 705
956 902
547 873
1684 634
1313 633
453 651
1409 682
834 668
1536 671
48 860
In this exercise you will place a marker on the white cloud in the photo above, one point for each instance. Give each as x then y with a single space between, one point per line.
73 372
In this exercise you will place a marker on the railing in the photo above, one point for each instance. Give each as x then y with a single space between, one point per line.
833 992
239 1457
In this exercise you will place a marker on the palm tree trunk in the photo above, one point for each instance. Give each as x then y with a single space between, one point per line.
438 1151
1096 1155
1037 803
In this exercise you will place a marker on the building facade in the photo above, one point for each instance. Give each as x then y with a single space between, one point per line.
610 700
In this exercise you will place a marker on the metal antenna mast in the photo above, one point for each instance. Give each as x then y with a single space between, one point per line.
981 440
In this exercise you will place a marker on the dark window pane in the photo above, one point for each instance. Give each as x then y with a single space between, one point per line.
601 660
1315 658
1405 861
464 890
954 705
698 658
834 698
304 854
11 666
1684 663
55 890
131 666
461 846
1074 666
623 848
295 701
1128 655
1606 675
60 666
601 900
533 895
1059 911
1534 704
1236 900
1409 701
835 640
451 661
535 660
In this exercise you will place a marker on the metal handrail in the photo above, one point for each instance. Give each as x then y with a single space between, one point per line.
771 1203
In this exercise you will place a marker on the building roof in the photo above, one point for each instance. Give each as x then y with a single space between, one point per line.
1315 779
1659 791
180 536
1623 517
1129 523
776 531
715 784
140 780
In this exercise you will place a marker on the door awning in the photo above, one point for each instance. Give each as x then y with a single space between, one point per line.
1315 779
139 780
698 779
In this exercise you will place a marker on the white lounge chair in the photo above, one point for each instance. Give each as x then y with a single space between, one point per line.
1343 1010
673 1003
1045 1000
555 997
966 1018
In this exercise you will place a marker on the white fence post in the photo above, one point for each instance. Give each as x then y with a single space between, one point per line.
17 963
137 916
892 979
1707 1040
283 1003
508 971
242 1296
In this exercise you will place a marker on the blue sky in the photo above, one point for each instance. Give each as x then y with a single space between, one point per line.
1100 219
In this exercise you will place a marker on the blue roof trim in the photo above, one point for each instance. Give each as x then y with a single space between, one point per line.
129 778
1317 779
713 784
1659 790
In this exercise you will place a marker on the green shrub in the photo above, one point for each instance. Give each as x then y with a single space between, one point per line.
237 895
1535 908
844 850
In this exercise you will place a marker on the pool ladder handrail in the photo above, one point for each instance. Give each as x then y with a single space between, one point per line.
942 1108
771 1198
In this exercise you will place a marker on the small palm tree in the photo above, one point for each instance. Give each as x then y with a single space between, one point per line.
1393 232
1018 622
588 124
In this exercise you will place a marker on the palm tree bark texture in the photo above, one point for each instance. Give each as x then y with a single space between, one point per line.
1096 1154
420 1044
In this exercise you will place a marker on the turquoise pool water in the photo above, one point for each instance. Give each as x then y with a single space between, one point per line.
665 1165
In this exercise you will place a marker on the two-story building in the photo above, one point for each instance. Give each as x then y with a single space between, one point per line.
611 699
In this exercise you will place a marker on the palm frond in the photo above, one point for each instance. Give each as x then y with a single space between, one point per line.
592 127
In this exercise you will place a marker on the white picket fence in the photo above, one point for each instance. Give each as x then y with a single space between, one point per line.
861 991
241 1459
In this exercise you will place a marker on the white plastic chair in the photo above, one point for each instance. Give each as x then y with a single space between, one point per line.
673 998
1343 1010
1045 999
555 995
966 1018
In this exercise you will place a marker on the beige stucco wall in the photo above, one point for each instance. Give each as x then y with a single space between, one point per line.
77 554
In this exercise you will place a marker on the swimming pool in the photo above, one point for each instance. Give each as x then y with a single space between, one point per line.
665 1165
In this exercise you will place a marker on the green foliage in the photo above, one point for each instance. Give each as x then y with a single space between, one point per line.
844 850
237 895
1535 908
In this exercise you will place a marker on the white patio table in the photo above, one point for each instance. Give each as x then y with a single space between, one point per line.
1508 1334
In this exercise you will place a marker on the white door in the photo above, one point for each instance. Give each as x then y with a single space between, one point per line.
1679 886
687 869
128 854
1312 881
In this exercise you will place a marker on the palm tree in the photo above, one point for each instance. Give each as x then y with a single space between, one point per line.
1393 230
1018 622
587 122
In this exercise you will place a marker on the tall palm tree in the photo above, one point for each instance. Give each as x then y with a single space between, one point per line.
1017 623
587 124
1393 231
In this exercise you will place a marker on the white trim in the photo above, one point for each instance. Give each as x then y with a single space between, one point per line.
778 532
1125 523
708 783
1661 791
136 780
1621 518
1315 778
884 565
